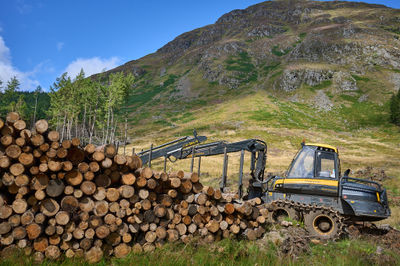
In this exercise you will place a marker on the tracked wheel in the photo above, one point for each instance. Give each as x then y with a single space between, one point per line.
282 212
323 224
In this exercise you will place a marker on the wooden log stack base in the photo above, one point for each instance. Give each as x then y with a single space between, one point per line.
62 198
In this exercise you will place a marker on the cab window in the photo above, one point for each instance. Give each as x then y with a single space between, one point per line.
303 165
325 166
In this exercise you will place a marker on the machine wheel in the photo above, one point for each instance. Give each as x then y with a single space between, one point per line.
282 212
323 224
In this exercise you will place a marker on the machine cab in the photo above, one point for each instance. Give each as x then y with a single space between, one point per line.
314 170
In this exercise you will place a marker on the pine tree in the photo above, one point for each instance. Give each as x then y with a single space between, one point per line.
21 107
10 96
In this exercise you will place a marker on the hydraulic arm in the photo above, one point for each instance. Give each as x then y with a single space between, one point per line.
187 147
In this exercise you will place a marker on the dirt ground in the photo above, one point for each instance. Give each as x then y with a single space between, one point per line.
295 241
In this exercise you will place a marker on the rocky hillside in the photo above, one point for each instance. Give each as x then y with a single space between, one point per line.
324 55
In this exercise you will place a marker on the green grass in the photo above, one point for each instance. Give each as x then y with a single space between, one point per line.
163 123
234 252
294 115
261 115
364 115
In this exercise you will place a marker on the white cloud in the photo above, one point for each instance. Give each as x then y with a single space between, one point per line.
60 45
91 65
7 70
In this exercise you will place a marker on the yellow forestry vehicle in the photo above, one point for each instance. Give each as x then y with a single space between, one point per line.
314 190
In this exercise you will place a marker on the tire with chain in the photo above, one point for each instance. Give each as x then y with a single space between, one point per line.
321 222
282 210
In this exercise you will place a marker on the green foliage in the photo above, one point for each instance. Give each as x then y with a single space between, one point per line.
242 64
395 109
10 96
279 52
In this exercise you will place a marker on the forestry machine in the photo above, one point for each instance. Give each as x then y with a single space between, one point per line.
313 189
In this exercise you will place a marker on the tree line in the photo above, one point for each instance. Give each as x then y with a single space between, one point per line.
92 109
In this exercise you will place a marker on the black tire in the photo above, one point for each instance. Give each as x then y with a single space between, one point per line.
322 225
279 214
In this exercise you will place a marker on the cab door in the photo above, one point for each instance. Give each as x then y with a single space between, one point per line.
326 172
313 172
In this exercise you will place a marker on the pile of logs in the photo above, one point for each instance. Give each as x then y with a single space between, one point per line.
59 198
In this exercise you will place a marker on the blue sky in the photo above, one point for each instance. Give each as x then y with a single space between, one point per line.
41 39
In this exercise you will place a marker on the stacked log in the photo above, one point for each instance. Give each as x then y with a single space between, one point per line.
60 198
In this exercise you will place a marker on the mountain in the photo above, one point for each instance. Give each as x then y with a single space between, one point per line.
325 55
280 71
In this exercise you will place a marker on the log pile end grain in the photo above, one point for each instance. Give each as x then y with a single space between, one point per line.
58 198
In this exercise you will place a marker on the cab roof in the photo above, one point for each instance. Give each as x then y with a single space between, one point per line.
322 146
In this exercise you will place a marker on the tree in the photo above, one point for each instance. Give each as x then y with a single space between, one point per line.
116 92
395 109
10 95
37 93
21 107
